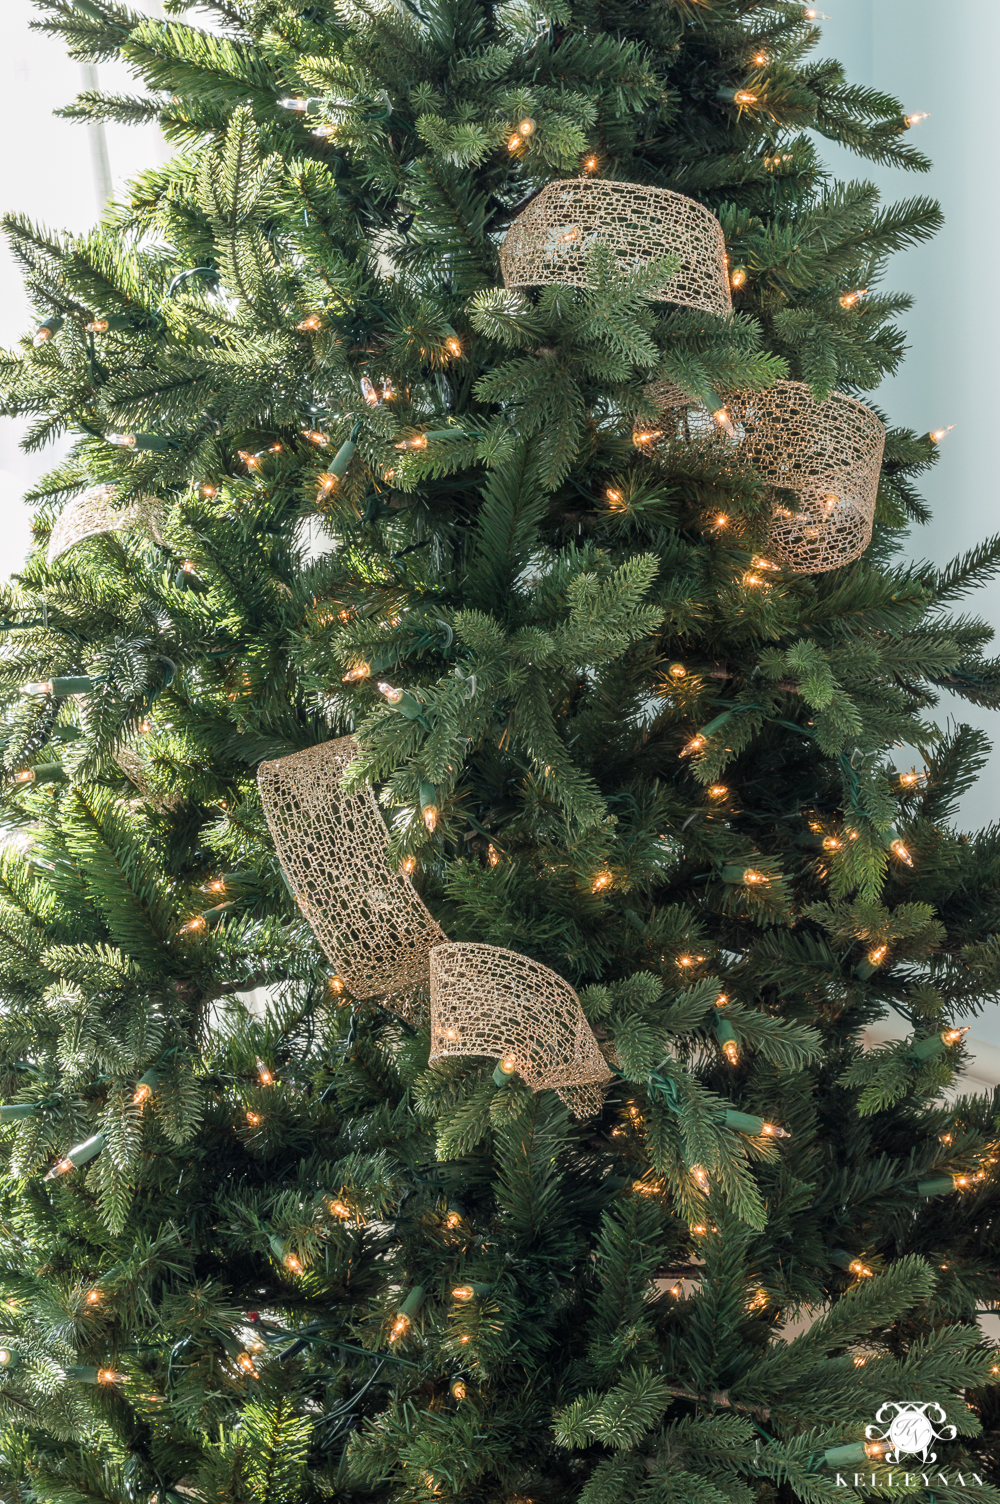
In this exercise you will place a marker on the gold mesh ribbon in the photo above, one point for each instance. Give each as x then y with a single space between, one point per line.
93 513
333 848
495 1002
829 453
550 240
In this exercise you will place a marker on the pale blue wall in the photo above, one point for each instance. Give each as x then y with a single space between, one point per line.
944 58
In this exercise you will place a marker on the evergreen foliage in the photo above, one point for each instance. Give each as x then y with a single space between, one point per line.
247 1291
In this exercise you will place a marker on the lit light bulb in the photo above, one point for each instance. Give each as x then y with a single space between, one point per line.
614 496
360 671
93 1297
96 326
42 687
722 420
254 1119
399 1328
264 1076
848 299
898 849
700 1178
142 1094
685 960
860 1269
325 484
601 881
462 1292
197 923
26 775
738 277
954 1036
878 955
292 1264
760 58
451 1035
526 127
310 323
513 142
458 1390
392 694
246 1365
911 120
508 1064
694 745
42 336
743 96
61 1167
699 1230
370 392
122 440
419 441
771 1130
722 519
430 815
492 855
752 579
188 566
298 105
876 1450
677 671
454 346
108 1376
590 164
731 1050
339 1209
751 875
717 791
941 433
409 865
570 235
324 131
646 435
721 1000
316 437
145 726
336 984
831 843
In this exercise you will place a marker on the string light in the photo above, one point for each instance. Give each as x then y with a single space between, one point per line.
721 1000
831 843
144 1088
292 1264
430 817
336 984
47 329
458 1390
601 881
911 120
743 96
392 694
731 1050
121 440
409 865
590 164
694 745
454 346
418 441
462 1292
751 875
369 392
941 433
848 299
360 671
911 779
254 1119
860 1269
771 1130
310 324
615 497
96 326
876 1450
93 1297
738 277
108 1376
954 1036
646 435
899 850
513 142
722 420
207 491
722 519
717 791
700 1178
246 1365
677 671
61 1167
264 1076
878 955
526 127
570 235
399 1328
315 437
339 1209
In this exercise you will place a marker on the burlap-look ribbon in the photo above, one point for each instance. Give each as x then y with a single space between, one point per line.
498 1003
333 848
552 237
93 513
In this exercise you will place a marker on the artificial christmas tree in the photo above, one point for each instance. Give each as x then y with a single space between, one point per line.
629 764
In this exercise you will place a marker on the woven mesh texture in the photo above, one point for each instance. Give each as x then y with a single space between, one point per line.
680 419
333 847
829 454
93 512
550 240
495 1002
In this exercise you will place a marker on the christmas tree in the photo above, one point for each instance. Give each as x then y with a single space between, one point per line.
453 851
